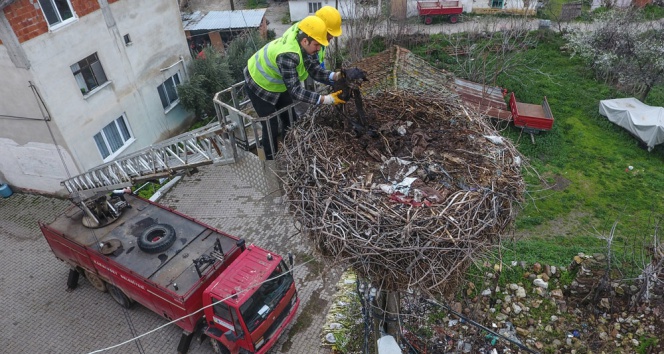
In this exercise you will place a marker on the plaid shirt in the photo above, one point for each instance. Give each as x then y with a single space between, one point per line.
287 64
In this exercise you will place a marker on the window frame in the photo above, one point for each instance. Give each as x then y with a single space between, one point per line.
56 11
96 70
497 4
162 88
234 320
126 141
315 6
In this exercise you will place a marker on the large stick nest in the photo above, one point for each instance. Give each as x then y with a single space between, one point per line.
344 191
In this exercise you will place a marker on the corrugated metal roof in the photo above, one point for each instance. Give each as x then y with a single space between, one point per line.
485 100
215 20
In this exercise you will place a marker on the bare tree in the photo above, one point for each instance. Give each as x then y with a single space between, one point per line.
369 17
372 19
623 50
490 49
652 272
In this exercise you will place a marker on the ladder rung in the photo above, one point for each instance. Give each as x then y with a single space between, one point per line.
198 147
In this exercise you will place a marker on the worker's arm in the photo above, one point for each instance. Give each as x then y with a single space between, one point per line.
312 63
287 64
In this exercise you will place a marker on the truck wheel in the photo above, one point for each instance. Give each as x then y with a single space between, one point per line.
428 20
96 281
454 19
218 347
72 279
119 296
156 238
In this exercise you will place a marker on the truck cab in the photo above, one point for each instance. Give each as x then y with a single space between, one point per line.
245 309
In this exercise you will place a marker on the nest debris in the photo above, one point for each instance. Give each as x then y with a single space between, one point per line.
412 207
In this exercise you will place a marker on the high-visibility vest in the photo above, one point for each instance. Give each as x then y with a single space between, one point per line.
263 68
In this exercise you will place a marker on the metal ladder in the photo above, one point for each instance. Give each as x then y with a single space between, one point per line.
210 144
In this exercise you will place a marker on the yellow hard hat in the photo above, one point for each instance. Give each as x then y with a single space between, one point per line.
332 19
315 28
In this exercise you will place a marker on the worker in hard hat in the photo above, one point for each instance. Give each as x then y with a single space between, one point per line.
274 74
332 19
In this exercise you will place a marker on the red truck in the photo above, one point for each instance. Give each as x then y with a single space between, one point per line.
175 266
427 10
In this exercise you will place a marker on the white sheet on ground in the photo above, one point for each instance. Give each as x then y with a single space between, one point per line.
643 121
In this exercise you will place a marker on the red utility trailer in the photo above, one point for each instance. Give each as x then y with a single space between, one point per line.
533 118
427 10
175 266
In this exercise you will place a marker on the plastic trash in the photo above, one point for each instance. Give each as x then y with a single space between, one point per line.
330 338
402 130
498 140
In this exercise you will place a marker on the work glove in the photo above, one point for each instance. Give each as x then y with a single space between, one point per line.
332 98
335 76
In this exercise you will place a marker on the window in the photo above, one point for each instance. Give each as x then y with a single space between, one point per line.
113 137
227 314
127 39
167 91
497 4
221 310
56 11
314 6
88 73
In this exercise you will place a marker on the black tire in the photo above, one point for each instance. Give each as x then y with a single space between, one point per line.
72 279
156 238
428 20
119 296
218 348
454 19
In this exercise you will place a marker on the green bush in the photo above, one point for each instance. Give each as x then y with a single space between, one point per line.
217 72
207 77
240 50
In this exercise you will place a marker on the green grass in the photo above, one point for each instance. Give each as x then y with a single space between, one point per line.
653 12
585 149
585 152
255 4
149 188
551 250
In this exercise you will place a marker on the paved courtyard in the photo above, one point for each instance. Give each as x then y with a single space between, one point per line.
40 316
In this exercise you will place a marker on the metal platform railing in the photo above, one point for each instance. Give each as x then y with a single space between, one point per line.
233 107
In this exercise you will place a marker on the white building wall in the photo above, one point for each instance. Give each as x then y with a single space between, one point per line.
299 9
34 166
511 6
29 158
158 51
411 7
